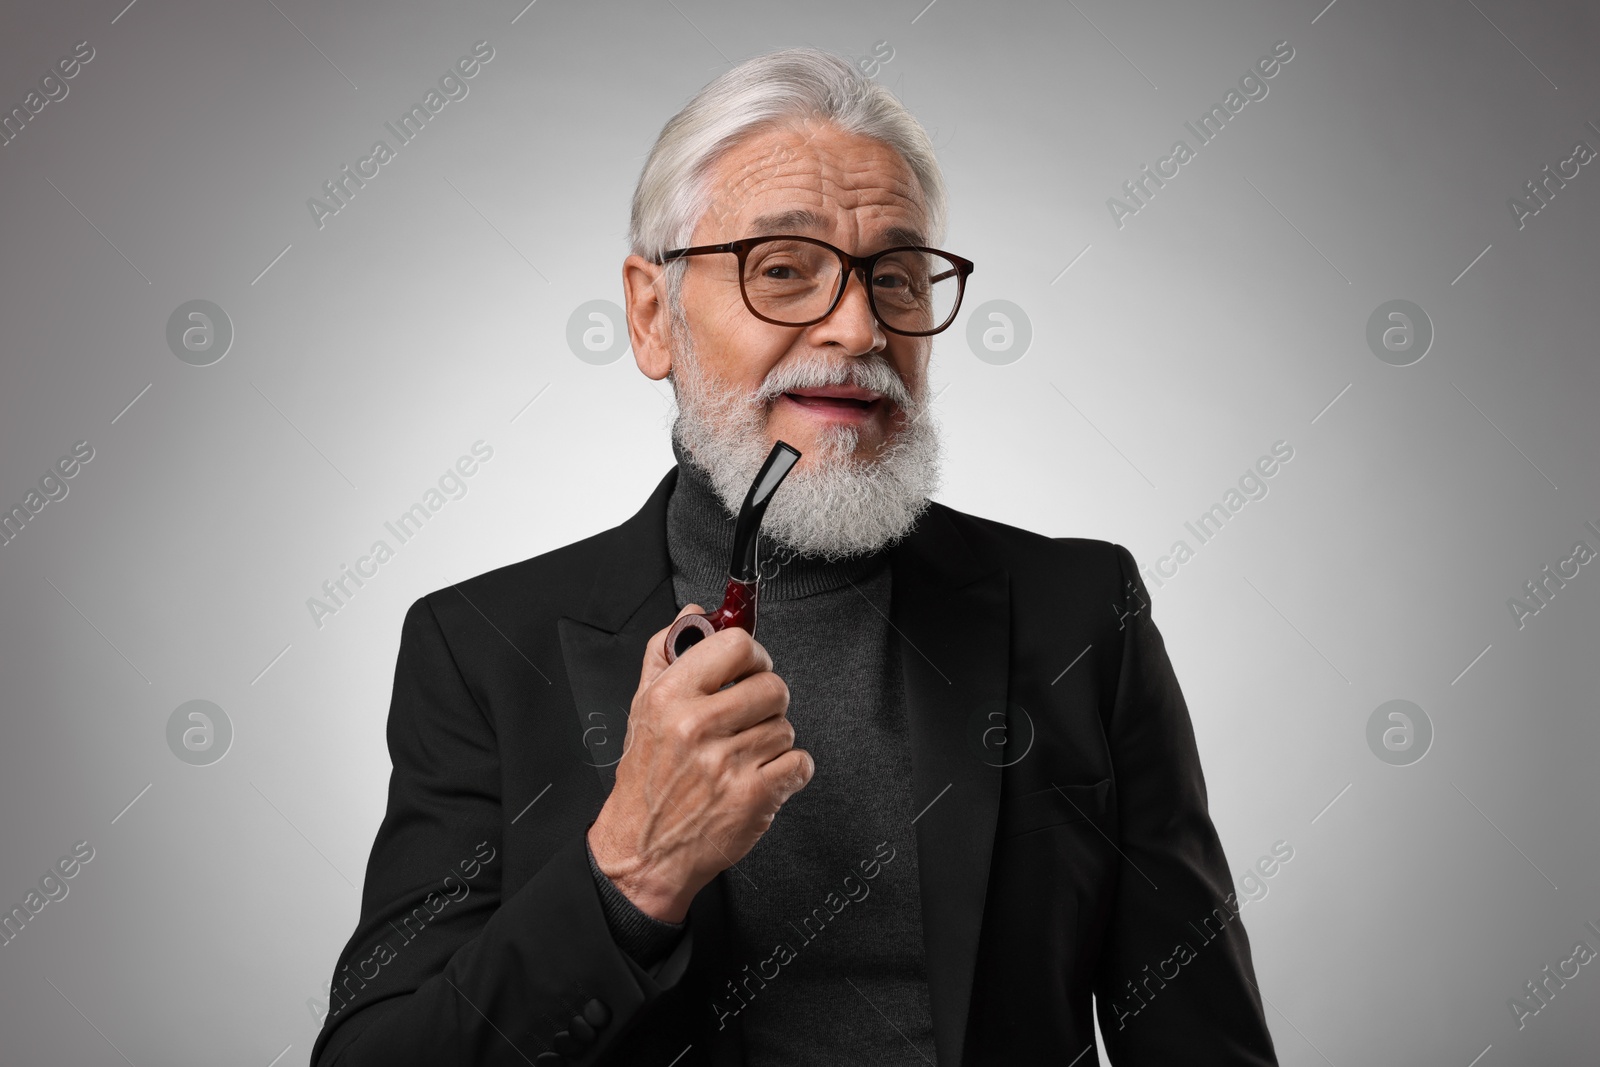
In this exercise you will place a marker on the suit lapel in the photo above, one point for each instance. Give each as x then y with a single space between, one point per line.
951 611
603 643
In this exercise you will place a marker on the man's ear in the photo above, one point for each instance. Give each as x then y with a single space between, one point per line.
649 324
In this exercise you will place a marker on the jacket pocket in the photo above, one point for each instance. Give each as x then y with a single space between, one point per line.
1053 805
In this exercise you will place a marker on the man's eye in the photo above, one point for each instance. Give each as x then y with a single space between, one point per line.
781 271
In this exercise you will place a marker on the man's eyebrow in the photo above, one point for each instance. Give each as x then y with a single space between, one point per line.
899 235
806 219
787 221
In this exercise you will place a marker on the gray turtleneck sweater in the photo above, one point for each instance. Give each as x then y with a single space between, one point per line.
828 964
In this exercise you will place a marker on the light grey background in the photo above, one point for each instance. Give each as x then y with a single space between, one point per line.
431 312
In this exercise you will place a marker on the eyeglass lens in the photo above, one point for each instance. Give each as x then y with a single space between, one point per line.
794 282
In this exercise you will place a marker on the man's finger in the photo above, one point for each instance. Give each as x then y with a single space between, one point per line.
788 774
719 661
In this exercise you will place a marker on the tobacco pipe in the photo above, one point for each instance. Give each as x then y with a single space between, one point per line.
739 600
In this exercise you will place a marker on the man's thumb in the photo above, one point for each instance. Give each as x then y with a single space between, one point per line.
655 655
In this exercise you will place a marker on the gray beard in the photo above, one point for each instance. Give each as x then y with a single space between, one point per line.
832 504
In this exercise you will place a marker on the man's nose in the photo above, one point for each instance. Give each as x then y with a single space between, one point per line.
852 323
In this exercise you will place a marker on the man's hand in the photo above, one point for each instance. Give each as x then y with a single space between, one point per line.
704 770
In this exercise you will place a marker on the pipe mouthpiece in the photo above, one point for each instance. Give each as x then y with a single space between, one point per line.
739 598
780 461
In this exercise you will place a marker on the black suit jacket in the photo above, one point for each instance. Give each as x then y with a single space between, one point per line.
1073 859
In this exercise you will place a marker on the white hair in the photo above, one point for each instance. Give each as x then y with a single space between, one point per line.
764 93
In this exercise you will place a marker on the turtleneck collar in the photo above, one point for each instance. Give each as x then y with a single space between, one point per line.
700 542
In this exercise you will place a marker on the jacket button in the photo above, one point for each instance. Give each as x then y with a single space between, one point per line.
581 1030
565 1044
548 1059
596 1013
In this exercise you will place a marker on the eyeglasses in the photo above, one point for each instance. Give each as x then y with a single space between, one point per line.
798 281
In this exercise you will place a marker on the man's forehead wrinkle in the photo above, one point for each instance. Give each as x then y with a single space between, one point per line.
894 223
870 181
824 186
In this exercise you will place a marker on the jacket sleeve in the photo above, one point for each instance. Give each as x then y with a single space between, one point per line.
1175 982
444 968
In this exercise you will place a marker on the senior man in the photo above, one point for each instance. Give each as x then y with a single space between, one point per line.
944 798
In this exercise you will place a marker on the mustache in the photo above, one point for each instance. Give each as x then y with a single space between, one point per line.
874 373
